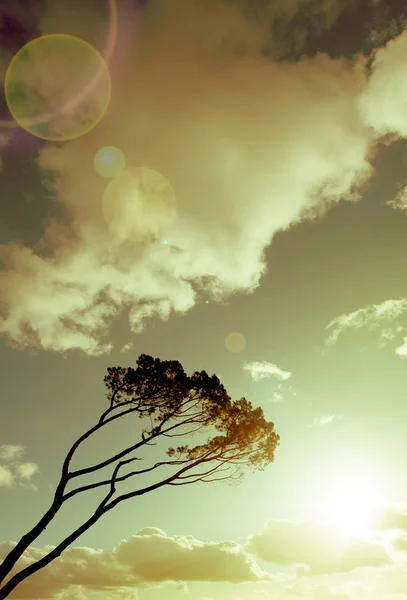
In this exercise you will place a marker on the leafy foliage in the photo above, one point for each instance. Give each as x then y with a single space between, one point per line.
162 388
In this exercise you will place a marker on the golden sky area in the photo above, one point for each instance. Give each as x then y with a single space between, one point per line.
223 183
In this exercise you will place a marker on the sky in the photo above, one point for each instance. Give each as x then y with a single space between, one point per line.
226 188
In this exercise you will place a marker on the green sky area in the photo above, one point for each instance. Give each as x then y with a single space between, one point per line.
243 197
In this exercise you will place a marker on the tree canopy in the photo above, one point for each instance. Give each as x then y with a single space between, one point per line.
174 405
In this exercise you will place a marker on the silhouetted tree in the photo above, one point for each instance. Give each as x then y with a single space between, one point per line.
176 405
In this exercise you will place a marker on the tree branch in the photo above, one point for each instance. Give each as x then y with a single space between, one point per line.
12 557
122 477
161 391
119 455
171 435
166 481
102 509
205 474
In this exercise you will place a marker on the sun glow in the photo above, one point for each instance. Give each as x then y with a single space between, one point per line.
350 504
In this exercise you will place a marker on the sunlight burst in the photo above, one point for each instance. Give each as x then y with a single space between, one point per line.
350 504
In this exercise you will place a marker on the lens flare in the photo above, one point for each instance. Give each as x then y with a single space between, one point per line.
139 204
57 87
109 161
235 342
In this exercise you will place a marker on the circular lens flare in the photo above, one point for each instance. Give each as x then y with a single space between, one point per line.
235 342
107 54
57 87
109 161
139 204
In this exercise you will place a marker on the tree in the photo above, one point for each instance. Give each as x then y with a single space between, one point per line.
176 405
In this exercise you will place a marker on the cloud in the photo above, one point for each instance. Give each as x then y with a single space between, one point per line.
181 587
250 147
392 516
27 470
392 580
6 477
260 370
299 591
163 558
400 543
400 200
386 583
371 316
402 350
147 558
11 452
323 420
127 347
389 333
299 18
318 549
384 27
15 472
385 95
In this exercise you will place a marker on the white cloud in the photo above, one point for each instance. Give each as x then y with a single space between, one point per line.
323 420
318 549
259 370
249 148
27 470
382 103
402 350
300 591
392 516
153 556
371 316
181 587
392 579
400 200
384 583
147 558
6 477
10 452
127 347
389 333
15 472
400 543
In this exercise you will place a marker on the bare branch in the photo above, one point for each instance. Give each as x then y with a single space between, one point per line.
122 414
171 435
202 478
92 486
218 467
113 483
155 486
119 455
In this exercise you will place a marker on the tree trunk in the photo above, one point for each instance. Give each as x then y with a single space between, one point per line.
18 550
45 560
